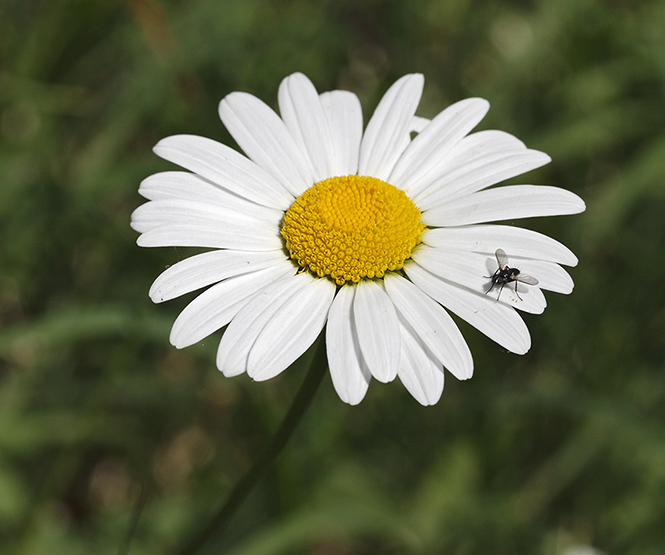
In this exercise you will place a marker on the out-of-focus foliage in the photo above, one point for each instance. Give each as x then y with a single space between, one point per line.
101 419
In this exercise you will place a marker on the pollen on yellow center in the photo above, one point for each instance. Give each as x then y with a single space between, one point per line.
351 227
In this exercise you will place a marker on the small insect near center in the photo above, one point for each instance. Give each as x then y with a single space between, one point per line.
351 227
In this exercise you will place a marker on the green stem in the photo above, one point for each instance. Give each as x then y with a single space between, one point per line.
138 508
246 484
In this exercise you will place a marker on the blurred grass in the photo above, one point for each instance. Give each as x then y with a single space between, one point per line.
564 446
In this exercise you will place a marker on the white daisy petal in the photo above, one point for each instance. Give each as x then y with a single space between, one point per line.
419 371
498 321
486 239
474 169
240 336
225 167
454 166
479 174
159 212
173 185
264 137
345 120
194 233
550 276
432 324
215 307
348 371
383 141
204 269
432 144
304 116
378 330
505 203
285 338
471 270
188 187
466 178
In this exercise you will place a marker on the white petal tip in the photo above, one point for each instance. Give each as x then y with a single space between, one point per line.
156 297
520 349
353 396
264 374
177 342
236 96
481 102
165 144
538 159
156 149
464 370
465 373
581 205
229 372
420 77
428 399
353 401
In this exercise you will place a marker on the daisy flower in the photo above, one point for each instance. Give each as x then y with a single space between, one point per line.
374 235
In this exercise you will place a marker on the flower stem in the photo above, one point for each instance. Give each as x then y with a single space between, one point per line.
244 486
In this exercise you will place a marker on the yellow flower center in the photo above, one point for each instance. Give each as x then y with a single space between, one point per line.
351 227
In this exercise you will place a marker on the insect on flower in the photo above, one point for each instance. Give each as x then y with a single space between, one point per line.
505 274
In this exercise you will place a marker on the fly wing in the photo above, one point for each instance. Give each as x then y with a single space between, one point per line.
501 258
526 279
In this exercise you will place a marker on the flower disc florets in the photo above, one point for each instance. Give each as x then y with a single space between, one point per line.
351 227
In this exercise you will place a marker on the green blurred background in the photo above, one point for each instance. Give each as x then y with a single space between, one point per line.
100 417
